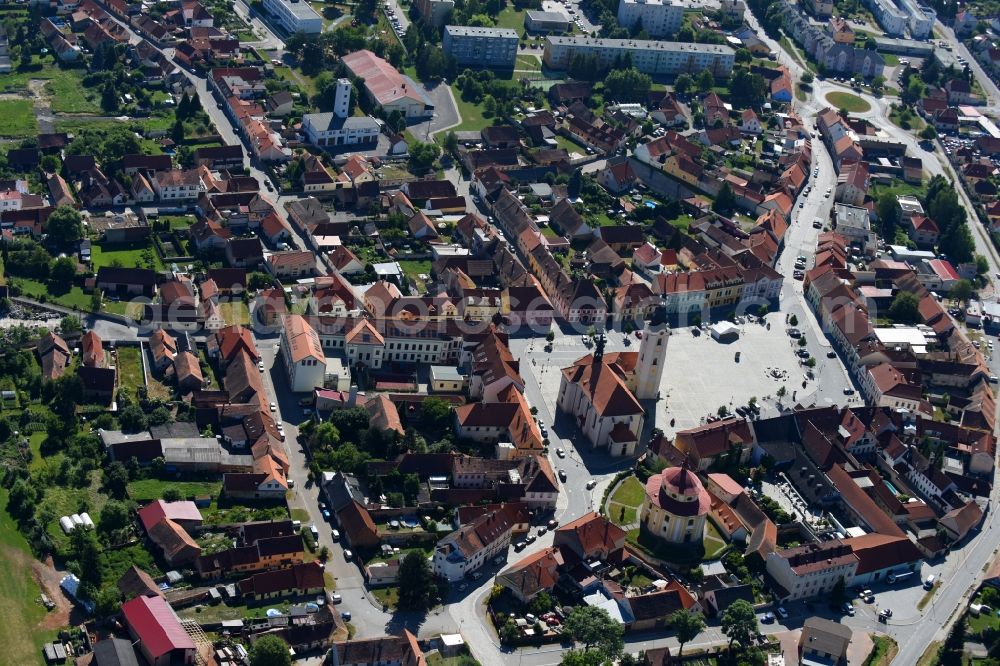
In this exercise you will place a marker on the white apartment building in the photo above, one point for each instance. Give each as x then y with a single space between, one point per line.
659 18
649 56
295 16
302 353
466 549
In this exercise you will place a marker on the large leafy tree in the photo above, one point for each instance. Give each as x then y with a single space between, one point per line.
270 651
416 583
739 623
686 625
593 627
64 225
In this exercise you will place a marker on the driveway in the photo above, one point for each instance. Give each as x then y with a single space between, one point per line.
445 116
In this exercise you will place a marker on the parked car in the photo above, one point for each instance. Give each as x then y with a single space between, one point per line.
561 453
591 484
562 475
782 612
336 598
767 618
831 354
346 616
348 555
848 608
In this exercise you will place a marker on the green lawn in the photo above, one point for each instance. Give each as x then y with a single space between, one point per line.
20 632
473 119
630 492
72 298
146 490
131 255
235 313
511 18
65 87
69 95
17 118
389 596
66 500
847 101
890 59
413 269
569 145
714 542
528 63
130 367
624 503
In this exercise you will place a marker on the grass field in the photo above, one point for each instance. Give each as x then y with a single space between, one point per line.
511 18
146 490
17 118
883 652
235 313
66 500
389 596
847 101
22 638
623 506
528 63
714 542
130 367
473 119
130 255
414 269
69 96
72 298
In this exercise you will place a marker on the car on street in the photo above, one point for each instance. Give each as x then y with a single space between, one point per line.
346 616
273 407
530 539
794 333
782 612
817 224
348 555
591 484
767 618
848 391
260 365
562 475
848 608
542 530
552 524
335 535
519 546
336 598
803 353
326 515
561 452
831 354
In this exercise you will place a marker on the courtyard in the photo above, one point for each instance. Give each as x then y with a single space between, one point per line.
703 374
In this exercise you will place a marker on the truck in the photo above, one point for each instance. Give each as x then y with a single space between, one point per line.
895 576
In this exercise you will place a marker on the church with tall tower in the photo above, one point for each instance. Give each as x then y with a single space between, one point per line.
602 391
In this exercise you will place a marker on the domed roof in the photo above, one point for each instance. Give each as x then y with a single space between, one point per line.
679 491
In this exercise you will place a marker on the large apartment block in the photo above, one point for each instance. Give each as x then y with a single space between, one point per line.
295 16
651 57
486 47
435 12
657 17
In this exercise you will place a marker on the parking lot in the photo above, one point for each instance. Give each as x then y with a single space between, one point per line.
702 374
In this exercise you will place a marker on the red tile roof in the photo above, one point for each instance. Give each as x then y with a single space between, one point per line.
156 626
